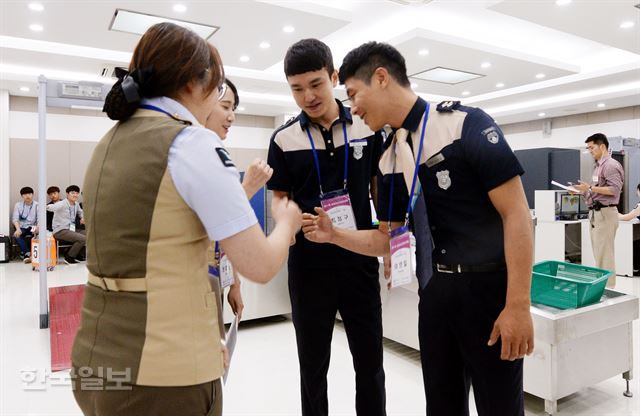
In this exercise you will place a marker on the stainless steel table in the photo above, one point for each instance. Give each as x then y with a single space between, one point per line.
577 348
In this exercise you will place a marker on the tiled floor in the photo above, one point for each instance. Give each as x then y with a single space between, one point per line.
263 379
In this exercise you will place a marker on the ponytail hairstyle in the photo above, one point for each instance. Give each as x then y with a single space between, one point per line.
165 60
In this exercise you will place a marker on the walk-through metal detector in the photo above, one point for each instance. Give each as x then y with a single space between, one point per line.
67 94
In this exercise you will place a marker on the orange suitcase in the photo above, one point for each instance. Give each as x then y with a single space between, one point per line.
35 253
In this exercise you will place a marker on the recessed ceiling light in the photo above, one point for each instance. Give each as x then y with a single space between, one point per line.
265 45
244 58
24 89
499 85
446 75
241 108
138 23
601 105
36 7
562 2
36 27
541 114
540 75
465 93
627 25
486 65
423 52
180 8
288 29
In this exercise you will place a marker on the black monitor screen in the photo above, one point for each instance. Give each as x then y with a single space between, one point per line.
584 209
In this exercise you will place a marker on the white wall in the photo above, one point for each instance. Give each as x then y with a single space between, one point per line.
573 137
24 125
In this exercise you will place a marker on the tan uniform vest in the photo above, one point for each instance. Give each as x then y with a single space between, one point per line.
148 308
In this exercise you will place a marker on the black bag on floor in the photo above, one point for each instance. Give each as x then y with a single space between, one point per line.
5 248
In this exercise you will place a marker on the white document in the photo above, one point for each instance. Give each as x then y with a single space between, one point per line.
568 188
231 338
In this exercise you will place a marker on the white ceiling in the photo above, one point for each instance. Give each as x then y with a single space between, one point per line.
586 57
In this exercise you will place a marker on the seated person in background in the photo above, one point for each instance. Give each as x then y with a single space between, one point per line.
25 219
54 196
64 223
634 213
255 177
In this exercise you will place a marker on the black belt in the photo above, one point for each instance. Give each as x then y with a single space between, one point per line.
598 208
474 268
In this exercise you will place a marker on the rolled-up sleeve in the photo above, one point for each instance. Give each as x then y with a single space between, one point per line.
614 178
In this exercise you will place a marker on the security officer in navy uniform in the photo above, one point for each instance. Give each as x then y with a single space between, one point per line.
326 154
473 232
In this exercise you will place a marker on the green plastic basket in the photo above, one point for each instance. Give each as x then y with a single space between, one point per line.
567 285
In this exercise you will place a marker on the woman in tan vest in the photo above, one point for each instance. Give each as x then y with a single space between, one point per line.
159 187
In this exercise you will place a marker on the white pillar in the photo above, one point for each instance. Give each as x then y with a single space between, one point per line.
5 192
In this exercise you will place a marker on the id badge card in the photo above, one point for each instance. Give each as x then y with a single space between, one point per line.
72 227
226 271
337 205
403 256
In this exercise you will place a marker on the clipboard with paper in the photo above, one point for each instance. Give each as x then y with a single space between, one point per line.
565 187
230 343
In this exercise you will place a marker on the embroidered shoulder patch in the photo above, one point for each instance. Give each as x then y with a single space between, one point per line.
225 157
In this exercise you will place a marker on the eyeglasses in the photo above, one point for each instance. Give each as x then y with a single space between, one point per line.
222 90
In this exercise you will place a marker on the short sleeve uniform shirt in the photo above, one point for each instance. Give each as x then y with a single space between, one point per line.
465 155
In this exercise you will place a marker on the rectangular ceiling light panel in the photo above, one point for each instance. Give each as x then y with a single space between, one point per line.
138 23
446 75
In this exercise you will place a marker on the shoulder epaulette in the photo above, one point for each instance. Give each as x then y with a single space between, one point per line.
447 106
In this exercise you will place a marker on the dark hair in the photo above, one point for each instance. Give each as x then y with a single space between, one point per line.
308 55
362 62
26 190
234 90
166 59
72 188
639 187
598 139
52 189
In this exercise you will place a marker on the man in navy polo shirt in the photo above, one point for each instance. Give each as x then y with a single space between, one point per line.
472 229
324 156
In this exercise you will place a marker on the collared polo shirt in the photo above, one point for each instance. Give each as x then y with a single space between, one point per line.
464 156
609 173
294 171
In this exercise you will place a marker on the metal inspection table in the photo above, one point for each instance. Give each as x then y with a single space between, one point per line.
577 348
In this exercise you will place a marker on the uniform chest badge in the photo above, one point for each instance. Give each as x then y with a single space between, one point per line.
357 151
444 181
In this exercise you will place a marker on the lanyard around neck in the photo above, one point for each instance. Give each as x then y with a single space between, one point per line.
412 193
346 157
160 110
28 213
154 108
72 213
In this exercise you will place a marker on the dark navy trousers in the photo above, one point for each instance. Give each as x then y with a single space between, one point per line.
316 295
457 313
